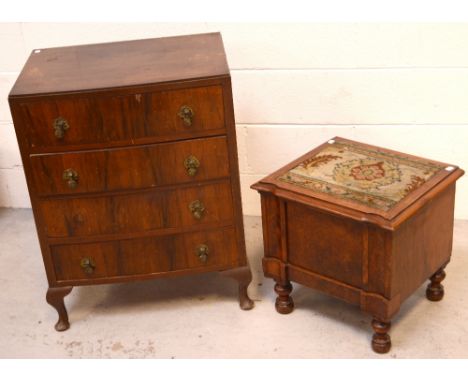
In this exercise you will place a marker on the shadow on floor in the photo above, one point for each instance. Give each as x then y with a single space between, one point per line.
205 288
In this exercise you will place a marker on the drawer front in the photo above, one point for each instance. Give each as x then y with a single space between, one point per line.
145 256
129 118
124 214
131 168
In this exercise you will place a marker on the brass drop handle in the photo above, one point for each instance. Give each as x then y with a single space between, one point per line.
186 114
71 176
197 208
60 126
202 252
191 164
87 265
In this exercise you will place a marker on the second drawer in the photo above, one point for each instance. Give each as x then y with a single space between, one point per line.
130 168
146 211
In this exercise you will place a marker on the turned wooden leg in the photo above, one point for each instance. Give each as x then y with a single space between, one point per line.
284 302
435 290
243 276
381 342
55 298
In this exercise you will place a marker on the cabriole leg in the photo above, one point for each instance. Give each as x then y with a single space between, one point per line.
55 297
243 276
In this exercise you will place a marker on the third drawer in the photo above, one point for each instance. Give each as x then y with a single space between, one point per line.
138 212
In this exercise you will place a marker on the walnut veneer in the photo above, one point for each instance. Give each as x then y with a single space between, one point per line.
129 151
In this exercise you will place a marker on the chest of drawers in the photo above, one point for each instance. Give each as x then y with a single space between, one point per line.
129 151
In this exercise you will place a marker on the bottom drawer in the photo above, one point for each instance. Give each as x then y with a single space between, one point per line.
145 256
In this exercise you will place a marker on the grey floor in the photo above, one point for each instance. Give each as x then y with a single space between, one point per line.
198 316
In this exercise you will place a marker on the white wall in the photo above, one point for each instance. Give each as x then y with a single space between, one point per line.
402 86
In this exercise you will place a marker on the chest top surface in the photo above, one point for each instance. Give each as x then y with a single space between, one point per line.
365 178
121 64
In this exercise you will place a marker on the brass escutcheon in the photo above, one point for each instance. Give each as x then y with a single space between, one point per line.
60 126
202 252
71 176
191 164
87 265
187 114
197 208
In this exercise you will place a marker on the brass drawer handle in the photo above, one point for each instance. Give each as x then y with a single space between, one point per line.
60 126
186 114
197 208
71 176
202 252
191 164
87 265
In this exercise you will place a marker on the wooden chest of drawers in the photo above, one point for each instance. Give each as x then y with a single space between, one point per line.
361 223
129 151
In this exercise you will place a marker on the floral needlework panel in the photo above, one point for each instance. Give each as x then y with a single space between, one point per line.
368 176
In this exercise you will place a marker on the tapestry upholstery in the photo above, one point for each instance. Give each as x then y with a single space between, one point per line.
368 176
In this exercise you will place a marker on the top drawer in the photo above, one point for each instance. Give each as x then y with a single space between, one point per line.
128 119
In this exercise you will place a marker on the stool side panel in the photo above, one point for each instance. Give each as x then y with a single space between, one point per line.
271 225
379 261
423 243
325 244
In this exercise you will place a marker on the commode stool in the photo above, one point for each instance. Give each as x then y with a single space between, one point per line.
361 223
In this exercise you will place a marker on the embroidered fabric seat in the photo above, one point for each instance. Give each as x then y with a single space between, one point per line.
370 176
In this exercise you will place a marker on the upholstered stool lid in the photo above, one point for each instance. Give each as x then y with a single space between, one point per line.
361 177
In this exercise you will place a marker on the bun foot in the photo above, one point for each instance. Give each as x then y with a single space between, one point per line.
381 342
55 297
284 302
435 290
